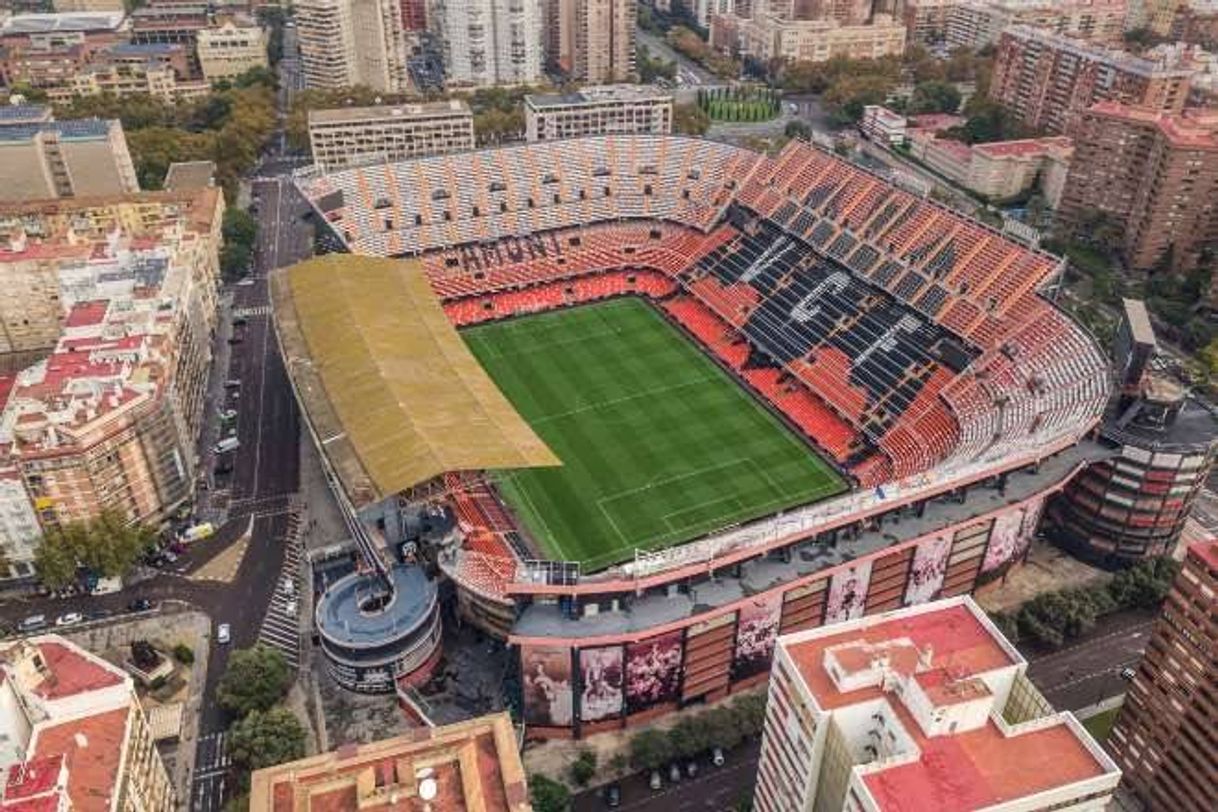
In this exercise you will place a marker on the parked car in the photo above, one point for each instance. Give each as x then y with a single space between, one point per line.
239 320
224 634
226 445
69 619
655 782
674 773
691 768
32 624
613 796
228 414
291 606
140 605
717 757
1127 674
98 614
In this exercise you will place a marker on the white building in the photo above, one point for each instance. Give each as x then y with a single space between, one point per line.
489 42
605 110
19 530
230 50
926 707
350 136
883 125
352 42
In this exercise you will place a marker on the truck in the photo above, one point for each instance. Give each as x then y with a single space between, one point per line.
198 532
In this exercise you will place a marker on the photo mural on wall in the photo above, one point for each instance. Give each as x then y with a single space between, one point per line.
601 676
546 677
653 671
848 593
929 567
1006 541
756 633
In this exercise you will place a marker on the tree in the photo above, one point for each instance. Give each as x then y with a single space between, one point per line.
265 738
547 794
934 97
988 121
106 545
584 767
797 129
749 712
256 679
688 119
239 231
649 749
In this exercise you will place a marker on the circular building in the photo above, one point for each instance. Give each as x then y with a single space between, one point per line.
1133 504
374 636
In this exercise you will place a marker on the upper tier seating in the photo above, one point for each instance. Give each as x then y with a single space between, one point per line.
911 335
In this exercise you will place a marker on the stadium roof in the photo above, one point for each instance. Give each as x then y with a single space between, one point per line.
392 392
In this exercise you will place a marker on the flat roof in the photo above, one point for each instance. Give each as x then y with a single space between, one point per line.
190 175
953 772
24 114
341 618
390 111
67 21
472 766
391 390
598 93
84 129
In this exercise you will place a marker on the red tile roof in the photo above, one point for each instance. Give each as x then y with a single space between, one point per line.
1206 552
71 673
93 748
86 313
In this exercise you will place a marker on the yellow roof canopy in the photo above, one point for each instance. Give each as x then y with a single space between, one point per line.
392 393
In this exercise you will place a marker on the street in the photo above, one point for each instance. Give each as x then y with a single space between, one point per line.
1088 671
715 789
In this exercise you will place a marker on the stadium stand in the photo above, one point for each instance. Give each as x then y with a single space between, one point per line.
897 334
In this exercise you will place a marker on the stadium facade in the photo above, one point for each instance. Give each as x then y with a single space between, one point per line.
913 346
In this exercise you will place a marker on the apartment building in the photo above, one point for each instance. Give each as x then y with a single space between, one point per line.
978 23
65 159
229 50
354 42
882 125
592 41
926 20
1153 173
73 734
46 50
172 24
767 36
19 530
1048 80
1001 170
108 418
1164 739
127 70
490 42
473 765
351 136
927 707
606 110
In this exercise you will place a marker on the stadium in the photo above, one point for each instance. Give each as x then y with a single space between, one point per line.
648 401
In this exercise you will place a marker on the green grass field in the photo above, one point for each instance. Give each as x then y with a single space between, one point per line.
658 444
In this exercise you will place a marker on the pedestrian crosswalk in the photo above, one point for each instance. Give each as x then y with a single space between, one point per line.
212 754
281 626
247 312
212 779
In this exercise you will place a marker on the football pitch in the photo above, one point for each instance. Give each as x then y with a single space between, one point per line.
659 445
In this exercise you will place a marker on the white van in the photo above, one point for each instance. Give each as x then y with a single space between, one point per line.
227 444
107 586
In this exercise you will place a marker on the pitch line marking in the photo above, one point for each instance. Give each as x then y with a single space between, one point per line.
591 407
